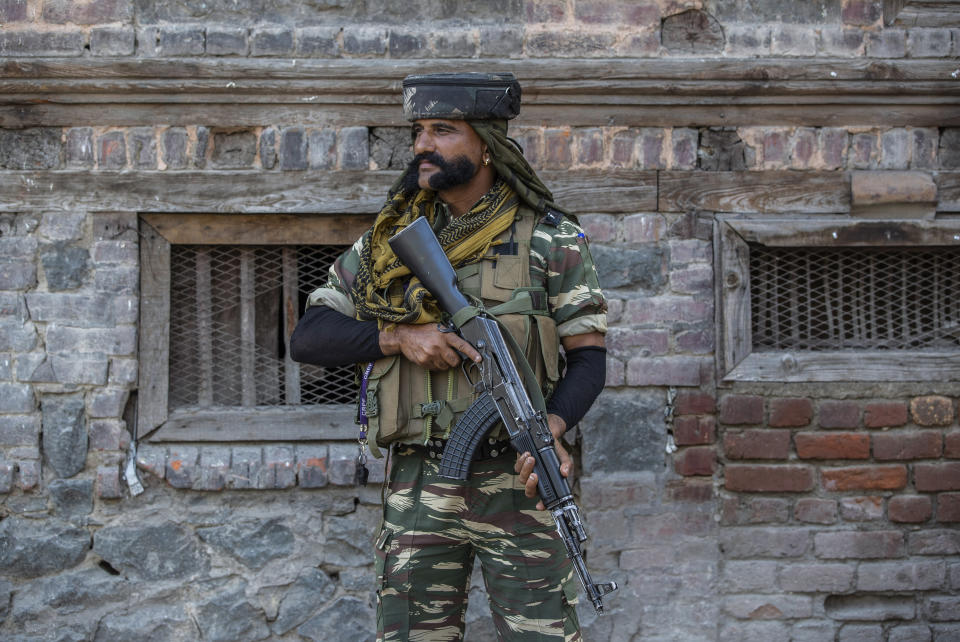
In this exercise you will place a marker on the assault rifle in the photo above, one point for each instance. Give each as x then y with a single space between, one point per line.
503 397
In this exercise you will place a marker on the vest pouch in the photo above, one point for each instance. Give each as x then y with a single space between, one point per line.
501 276
549 345
387 416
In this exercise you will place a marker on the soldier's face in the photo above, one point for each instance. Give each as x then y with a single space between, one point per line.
447 153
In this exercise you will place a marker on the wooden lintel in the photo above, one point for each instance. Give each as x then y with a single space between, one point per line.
825 367
278 193
257 229
766 192
251 92
842 231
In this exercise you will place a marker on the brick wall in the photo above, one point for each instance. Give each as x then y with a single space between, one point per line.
845 503
725 511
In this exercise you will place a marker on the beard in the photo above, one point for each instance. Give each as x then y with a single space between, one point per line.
450 173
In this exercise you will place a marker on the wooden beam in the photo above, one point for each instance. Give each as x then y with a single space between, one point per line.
922 13
313 423
250 92
767 192
836 231
541 76
259 229
948 191
822 111
278 193
154 330
847 366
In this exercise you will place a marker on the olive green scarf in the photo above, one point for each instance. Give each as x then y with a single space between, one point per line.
385 290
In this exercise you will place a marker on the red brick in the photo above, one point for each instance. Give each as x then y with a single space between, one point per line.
665 371
816 511
885 414
589 146
791 412
933 410
839 445
948 507
890 477
690 490
697 460
557 148
860 12
756 444
839 414
692 431
858 544
546 10
694 402
741 509
923 444
951 442
861 509
768 479
934 477
741 409
623 145
909 509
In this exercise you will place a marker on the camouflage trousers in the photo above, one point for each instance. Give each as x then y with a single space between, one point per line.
433 530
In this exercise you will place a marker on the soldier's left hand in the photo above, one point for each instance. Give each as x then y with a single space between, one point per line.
525 461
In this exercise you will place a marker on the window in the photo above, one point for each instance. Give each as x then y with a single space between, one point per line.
220 295
838 300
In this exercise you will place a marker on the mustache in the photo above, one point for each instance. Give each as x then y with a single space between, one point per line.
411 176
431 157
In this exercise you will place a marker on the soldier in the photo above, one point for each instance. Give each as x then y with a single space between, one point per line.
527 260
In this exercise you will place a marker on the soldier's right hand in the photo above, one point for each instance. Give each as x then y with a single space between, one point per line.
426 346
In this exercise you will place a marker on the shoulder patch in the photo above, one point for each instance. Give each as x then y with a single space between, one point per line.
552 217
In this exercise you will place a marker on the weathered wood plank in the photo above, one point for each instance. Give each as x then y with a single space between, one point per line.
259 229
767 192
830 111
204 299
734 283
812 91
154 330
261 424
844 231
235 192
586 191
582 191
377 76
248 329
917 13
825 367
948 191
321 92
291 314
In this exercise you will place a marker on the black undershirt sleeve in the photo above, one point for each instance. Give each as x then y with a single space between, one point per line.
580 385
326 337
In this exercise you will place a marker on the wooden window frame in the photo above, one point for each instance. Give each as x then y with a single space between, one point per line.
736 360
158 232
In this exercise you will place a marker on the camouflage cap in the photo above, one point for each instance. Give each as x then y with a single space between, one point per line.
461 96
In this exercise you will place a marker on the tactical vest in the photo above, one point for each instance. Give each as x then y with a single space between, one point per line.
409 404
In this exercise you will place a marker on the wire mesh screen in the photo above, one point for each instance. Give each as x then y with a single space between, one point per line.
855 298
227 343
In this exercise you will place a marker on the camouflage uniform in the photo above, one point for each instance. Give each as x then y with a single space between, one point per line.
433 527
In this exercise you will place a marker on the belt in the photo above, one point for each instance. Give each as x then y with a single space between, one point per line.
489 449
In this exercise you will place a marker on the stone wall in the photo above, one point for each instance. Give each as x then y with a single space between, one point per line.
725 510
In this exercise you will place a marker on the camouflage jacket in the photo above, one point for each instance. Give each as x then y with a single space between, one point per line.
560 262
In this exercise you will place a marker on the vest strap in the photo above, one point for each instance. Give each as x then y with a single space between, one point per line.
531 300
464 315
